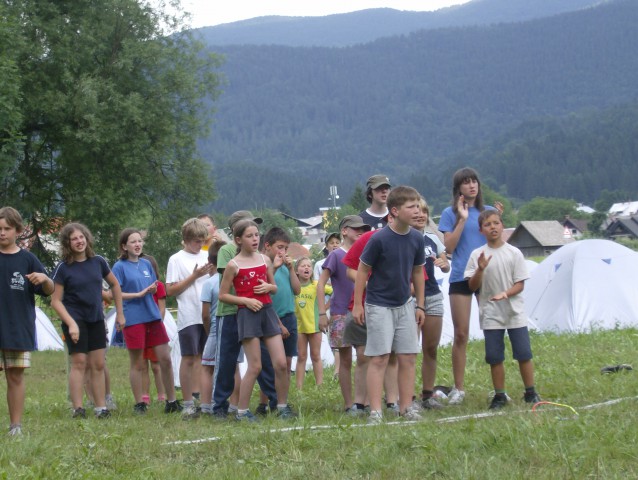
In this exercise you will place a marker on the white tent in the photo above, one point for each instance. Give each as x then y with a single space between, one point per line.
583 286
47 337
447 333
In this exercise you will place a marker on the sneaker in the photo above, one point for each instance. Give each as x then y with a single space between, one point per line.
411 414
140 408
173 407
15 430
190 412
431 404
110 403
286 413
79 413
375 418
393 409
355 412
102 414
498 402
532 397
262 410
456 397
246 417
220 415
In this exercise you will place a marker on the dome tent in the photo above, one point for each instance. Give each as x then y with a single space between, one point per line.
584 286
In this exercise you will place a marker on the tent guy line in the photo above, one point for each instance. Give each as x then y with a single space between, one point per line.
454 419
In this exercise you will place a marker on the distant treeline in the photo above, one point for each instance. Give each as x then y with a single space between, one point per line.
294 120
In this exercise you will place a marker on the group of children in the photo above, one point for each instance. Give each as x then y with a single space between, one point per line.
375 291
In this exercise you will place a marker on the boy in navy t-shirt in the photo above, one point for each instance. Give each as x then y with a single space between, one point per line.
392 258
22 276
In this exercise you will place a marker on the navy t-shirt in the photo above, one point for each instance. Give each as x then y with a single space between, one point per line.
375 222
82 282
392 257
431 253
17 300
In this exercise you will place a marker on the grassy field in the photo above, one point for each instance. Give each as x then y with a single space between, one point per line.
598 442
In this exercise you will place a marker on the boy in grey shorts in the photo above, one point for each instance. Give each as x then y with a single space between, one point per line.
393 256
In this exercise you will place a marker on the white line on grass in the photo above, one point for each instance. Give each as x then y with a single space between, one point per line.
454 419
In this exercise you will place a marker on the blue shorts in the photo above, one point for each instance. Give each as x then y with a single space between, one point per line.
290 344
495 345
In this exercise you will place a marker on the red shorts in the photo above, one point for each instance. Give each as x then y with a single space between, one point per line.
145 335
149 354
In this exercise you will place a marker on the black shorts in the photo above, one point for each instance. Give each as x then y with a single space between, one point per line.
461 288
263 323
92 337
192 340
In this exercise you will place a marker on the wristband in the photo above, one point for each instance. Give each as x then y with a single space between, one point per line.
322 314
420 308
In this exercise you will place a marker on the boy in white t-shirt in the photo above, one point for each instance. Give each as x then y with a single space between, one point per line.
187 271
499 270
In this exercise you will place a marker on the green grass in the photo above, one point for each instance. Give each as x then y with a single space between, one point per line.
552 443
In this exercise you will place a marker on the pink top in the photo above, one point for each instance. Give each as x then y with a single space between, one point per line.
247 279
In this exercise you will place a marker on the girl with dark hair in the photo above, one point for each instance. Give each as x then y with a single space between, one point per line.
460 228
77 299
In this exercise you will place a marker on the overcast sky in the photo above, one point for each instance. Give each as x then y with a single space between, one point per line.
214 12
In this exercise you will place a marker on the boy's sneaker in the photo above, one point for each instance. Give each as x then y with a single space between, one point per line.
286 413
456 397
79 413
102 414
498 402
246 417
15 430
532 397
110 403
262 410
190 412
375 418
393 409
140 408
173 407
355 411
411 414
431 404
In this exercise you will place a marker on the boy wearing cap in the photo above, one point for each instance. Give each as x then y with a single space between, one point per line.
351 227
377 191
228 346
333 241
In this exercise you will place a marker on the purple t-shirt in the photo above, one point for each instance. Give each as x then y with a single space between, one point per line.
342 286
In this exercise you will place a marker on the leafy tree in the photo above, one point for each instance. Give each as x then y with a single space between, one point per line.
333 217
490 197
111 105
273 218
358 199
608 197
541 208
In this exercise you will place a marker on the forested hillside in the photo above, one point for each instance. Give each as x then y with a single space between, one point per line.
308 117
574 157
367 25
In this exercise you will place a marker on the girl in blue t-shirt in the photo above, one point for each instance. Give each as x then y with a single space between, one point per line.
459 225
144 327
77 299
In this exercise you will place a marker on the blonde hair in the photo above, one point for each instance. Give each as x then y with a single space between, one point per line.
12 217
194 229
301 259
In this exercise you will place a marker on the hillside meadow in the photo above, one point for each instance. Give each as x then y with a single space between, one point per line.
599 441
